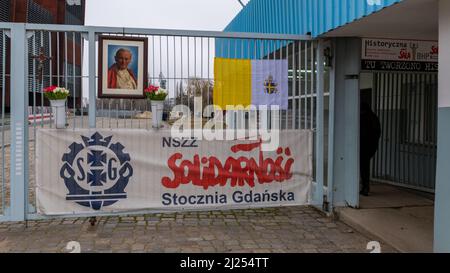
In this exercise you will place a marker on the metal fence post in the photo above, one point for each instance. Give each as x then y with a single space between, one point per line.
92 79
320 125
19 121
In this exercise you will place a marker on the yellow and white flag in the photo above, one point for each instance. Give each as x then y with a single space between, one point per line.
250 82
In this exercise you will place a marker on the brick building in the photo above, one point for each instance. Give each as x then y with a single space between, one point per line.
65 48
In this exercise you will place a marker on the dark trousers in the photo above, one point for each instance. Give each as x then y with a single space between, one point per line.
364 166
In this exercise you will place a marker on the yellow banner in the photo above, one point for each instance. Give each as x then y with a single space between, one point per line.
233 82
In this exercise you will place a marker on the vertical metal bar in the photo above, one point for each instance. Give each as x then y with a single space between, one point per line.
51 66
385 122
255 50
400 129
227 119
57 58
82 78
248 56
188 72
431 147
235 48
313 72
132 115
429 141
182 68
287 59
413 142
195 57
65 61
410 136
3 120
421 135
124 110
271 56
331 133
103 114
66 66
380 116
229 49
389 116
42 86
175 67
390 123
273 50
435 125
168 67
383 152
74 80
410 127
430 129
262 55
306 87
19 163
209 75
405 127
241 113
416 128
160 56
319 123
92 96
242 49
376 110
34 83
426 98
146 108
109 113
294 86
300 84
397 111
153 58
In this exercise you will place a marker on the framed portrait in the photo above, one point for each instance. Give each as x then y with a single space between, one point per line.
122 67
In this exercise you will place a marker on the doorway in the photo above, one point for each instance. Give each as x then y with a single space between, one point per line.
406 104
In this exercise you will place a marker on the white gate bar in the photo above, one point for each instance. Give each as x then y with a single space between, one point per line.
159 32
19 117
319 123
92 79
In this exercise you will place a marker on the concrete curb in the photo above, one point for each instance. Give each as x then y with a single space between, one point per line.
361 229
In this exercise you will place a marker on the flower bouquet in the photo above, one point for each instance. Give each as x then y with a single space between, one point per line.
58 96
156 95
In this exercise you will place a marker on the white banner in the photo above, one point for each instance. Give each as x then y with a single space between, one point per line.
400 50
90 171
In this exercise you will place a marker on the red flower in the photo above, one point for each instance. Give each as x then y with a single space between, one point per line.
151 89
50 89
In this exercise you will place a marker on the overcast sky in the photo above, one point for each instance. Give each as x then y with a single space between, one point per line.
171 14
211 15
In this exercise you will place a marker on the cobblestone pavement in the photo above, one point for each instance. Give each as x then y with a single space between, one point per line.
279 230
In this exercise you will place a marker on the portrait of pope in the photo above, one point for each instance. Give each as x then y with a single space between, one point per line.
120 75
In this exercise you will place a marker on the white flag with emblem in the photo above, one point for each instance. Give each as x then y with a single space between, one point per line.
270 83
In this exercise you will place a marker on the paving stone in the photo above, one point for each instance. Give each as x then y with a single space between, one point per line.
294 229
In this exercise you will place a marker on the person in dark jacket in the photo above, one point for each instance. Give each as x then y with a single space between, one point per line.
370 133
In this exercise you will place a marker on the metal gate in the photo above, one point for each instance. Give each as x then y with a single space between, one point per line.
406 104
183 60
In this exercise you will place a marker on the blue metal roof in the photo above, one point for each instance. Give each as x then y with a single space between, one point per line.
302 16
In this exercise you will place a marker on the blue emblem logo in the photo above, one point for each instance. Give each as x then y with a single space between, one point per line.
96 172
